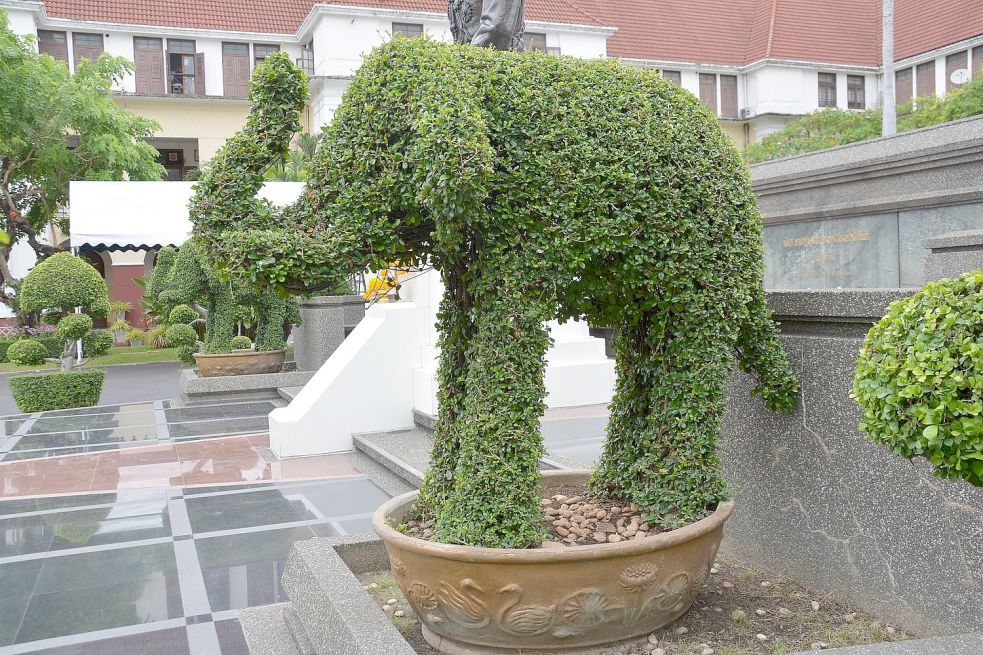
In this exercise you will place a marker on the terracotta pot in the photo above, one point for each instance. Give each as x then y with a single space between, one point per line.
479 600
240 362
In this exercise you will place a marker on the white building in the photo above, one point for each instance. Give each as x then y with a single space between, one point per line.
758 63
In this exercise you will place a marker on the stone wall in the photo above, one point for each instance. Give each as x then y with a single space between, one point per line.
325 322
818 501
857 216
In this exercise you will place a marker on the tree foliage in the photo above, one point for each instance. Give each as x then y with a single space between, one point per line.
919 378
56 286
540 187
836 127
56 127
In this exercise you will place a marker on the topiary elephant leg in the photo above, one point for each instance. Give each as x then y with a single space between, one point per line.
457 333
269 328
664 433
495 498
221 321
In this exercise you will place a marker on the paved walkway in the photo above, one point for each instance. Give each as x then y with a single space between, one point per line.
143 529
126 383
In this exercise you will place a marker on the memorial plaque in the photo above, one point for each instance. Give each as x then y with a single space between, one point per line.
833 253
917 225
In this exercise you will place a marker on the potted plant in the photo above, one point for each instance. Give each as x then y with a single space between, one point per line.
918 379
607 195
136 336
117 314
57 286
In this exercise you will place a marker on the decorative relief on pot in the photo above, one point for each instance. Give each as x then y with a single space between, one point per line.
421 596
464 608
527 620
638 577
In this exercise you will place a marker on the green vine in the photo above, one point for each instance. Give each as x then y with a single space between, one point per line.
540 187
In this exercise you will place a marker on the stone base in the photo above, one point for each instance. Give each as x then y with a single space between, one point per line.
195 388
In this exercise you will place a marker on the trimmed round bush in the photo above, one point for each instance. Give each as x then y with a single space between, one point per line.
27 352
919 378
183 314
73 326
97 343
181 335
62 281
64 390
241 342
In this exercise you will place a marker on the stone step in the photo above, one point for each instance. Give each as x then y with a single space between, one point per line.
406 453
289 393
266 630
302 643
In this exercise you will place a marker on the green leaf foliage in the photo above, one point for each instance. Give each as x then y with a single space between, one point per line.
187 354
97 343
919 378
183 314
65 390
56 127
836 127
541 188
241 342
27 352
73 327
62 282
181 334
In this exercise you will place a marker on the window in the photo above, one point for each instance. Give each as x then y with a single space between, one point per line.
977 60
708 90
182 68
676 77
148 54
306 61
235 70
553 51
827 89
954 62
261 52
855 92
925 79
86 46
53 43
903 90
534 41
728 96
407 29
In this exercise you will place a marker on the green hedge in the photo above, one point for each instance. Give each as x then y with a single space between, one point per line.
241 342
919 378
51 344
64 390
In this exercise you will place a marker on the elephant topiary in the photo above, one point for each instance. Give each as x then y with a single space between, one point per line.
540 188
189 278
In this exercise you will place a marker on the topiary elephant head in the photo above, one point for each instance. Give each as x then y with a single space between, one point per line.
541 188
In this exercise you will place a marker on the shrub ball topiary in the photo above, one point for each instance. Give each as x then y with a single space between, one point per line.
27 352
540 188
183 314
185 339
919 378
97 343
61 282
73 327
65 390
5 343
241 342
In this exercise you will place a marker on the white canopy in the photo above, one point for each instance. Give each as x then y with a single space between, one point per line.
142 215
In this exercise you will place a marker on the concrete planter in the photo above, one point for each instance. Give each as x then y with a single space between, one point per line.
325 322
240 362
479 600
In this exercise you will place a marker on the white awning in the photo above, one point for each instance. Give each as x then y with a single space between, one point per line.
142 215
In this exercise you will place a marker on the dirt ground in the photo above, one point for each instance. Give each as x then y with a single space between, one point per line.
740 611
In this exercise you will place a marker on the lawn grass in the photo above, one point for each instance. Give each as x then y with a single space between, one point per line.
116 355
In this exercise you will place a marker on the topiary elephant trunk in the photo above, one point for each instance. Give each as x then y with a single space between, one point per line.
541 188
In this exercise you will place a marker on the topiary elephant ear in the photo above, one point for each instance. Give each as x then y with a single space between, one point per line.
63 281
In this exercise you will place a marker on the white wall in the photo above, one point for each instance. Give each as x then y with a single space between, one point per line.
21 22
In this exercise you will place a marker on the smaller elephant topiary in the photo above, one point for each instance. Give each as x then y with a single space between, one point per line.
919 378
182 314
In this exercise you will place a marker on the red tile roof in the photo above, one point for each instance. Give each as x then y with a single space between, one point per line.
728 32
